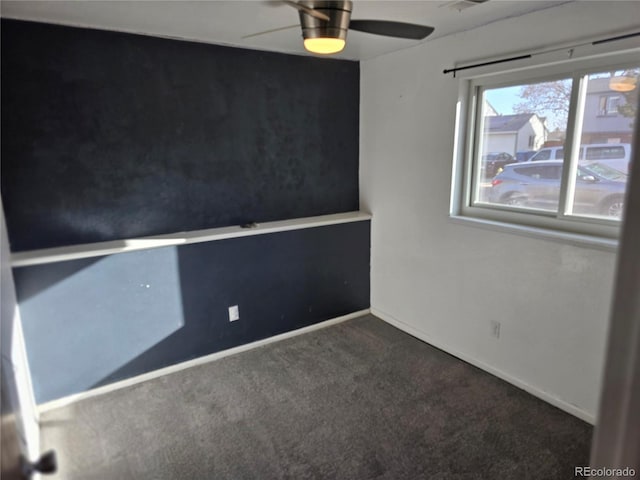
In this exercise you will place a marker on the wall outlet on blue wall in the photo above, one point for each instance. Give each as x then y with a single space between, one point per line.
234 313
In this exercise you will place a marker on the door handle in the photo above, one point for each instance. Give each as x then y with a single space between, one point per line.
47 463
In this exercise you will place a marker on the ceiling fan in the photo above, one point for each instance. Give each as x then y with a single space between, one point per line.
325 24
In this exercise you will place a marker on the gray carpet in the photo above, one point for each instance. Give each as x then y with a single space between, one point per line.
358 400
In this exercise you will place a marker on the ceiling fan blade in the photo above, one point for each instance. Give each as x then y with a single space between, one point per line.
391 29
297 25
307 10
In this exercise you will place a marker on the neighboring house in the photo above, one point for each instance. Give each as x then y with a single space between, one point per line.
514 133
603 123
489 110
555 138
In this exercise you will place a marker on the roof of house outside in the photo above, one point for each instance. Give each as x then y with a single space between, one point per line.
508 123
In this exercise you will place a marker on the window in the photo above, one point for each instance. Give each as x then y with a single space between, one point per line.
609 104
573 182
605 153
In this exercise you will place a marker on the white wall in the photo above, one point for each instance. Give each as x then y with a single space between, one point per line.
445 282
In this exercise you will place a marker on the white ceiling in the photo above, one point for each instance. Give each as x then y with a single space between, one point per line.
226 22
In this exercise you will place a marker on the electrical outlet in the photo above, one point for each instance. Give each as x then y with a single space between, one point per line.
234 313
495 329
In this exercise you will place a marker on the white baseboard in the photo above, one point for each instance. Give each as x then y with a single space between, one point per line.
541 394
62 402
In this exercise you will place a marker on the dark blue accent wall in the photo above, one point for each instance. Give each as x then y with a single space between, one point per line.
91 322
110 135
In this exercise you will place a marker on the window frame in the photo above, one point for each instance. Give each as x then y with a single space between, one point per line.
549 67
607 111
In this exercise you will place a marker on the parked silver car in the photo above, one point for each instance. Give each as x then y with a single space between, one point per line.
600 190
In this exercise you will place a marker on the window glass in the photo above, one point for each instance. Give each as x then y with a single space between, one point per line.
544 154
609 104
529 116
606 141
601 153
547 172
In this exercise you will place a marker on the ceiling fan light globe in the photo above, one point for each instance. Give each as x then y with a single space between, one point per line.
324 45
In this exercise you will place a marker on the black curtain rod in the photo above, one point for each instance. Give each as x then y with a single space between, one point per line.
511 59
454 70
613 39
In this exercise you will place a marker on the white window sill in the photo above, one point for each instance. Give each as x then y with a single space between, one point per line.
88 250
588 241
